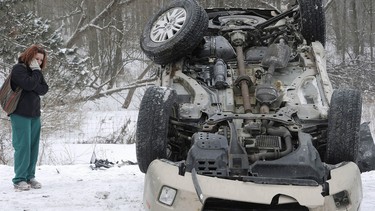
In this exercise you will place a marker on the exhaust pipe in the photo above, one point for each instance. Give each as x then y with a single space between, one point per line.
238 40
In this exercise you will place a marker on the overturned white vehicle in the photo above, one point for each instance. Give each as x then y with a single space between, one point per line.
243 115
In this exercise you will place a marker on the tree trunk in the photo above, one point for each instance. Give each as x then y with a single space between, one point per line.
371 39
92 36
117 61
337 28
355 29
343 31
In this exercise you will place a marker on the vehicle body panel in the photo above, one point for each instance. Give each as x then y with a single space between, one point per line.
162 173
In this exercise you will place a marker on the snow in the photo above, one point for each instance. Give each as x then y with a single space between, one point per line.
78 187
368 185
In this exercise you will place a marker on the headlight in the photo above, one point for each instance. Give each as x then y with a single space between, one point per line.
167 195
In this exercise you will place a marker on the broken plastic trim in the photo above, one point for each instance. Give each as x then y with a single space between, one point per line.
197 186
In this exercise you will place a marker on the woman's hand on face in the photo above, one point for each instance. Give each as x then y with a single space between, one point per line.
34 65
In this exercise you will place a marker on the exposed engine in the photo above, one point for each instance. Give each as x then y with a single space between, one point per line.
229 67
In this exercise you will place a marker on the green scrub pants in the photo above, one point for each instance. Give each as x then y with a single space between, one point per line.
25 140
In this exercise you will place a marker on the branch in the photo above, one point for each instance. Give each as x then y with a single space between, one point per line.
270 5
107 11
100 28
328 5
70 14
140 83
132 90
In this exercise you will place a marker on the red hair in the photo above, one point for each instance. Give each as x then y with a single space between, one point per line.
30 52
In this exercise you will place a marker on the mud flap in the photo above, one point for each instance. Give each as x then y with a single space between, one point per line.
366 152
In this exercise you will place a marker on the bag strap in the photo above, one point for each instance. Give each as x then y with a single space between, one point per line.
7 80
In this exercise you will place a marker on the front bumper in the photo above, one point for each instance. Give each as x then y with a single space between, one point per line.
345 190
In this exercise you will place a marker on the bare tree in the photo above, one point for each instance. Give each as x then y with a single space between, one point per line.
371 33
117 60
355 29
83 28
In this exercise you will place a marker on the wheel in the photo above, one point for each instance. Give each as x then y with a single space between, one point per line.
313 26
344 121
152 125
174 31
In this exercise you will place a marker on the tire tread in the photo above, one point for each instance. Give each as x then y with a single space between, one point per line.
343 126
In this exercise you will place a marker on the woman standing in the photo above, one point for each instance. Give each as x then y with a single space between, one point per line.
27 74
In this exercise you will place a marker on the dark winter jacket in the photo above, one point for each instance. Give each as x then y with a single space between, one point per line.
33 85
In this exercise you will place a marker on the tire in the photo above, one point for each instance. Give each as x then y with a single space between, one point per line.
185 35
344 121
313 26
152 125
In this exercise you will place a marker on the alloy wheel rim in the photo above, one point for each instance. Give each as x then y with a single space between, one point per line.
168 24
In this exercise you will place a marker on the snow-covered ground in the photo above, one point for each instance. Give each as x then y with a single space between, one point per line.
368 184
78 187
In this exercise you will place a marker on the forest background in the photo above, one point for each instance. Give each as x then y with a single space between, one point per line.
94 55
